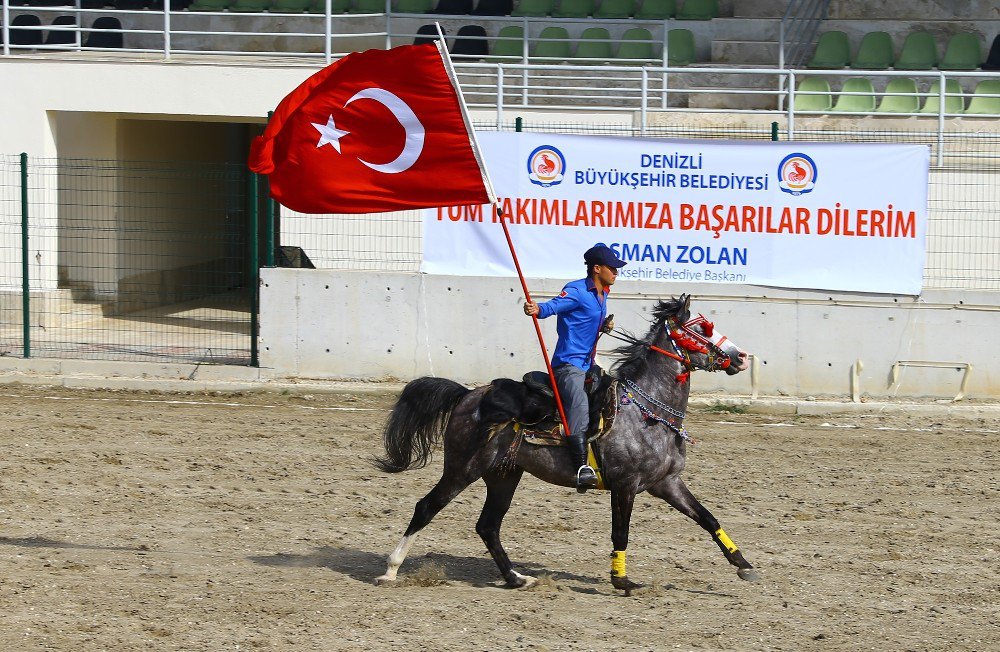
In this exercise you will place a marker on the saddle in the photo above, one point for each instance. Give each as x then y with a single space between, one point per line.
531 405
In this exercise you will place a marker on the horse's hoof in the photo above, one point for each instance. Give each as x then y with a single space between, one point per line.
748 574
518 581
383 580
625 584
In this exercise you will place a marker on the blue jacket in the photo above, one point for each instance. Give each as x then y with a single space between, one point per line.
581 310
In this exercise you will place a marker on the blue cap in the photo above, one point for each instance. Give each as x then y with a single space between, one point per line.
602 255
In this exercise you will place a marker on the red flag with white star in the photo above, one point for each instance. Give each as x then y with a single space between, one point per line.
380 130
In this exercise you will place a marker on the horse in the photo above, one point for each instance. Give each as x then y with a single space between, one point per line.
643 450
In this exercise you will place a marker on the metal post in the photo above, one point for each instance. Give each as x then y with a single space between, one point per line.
500 92
791 105
253 278
25 284
270 245
645 100
6 28
388 24
327 32
774 131
524 62
166 29
518 124
940 133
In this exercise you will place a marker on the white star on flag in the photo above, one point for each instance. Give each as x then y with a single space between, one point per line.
329 134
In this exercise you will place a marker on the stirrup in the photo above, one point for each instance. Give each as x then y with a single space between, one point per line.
588 479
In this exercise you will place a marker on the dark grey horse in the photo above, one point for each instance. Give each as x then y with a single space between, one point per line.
643 451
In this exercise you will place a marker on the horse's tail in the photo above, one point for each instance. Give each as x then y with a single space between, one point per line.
417 421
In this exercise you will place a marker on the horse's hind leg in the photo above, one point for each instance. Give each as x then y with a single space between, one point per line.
674 491
427 508
499 492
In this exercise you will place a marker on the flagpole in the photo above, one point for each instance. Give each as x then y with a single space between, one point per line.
446 57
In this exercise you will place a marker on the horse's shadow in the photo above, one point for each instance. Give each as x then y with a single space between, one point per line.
365 566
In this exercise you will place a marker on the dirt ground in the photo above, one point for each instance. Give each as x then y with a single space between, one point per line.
144 521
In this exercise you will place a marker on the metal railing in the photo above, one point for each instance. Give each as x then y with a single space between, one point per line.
798 29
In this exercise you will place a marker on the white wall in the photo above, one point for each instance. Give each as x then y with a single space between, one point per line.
371 325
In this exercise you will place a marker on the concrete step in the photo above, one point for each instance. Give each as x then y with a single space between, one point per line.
745 53
718 99
914 10
759 8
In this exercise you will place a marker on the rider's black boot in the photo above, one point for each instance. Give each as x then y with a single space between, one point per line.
585 476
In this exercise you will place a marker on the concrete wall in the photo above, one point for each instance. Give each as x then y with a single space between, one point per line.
336 324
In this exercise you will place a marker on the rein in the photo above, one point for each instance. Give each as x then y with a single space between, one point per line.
683 338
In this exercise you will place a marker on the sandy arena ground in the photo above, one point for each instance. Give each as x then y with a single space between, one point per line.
143 521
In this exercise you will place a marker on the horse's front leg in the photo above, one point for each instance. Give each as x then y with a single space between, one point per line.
622 499
674 491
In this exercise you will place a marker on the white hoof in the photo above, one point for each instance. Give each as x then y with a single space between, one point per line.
523 581
382 580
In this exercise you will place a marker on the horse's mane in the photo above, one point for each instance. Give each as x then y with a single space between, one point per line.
635 354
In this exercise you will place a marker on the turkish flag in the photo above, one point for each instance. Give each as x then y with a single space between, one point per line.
380 130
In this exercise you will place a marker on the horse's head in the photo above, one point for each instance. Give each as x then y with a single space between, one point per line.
707 348
694 342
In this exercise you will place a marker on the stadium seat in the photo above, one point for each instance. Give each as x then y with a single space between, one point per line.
552 45
509 43
470 43
698 10
367 7
104 34
962 53
427 34
818 99
315 6
60 37
493 8
615 9
131 5
453 7
919 52
209 5
656 10
981 105
833 51
250 6
594 46
993 58
953 100
533 8
414 6
20 32
574 9
848 102
900 103
636 46
680 47
874 52
94 4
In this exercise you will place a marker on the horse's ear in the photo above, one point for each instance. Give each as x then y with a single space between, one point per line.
685 304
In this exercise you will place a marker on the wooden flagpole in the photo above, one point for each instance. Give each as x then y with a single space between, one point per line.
446 57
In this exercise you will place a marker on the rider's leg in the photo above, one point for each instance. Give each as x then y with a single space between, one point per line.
570 379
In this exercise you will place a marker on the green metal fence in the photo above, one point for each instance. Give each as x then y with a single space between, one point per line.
127 260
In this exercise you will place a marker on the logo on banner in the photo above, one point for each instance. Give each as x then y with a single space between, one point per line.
796 174
546 166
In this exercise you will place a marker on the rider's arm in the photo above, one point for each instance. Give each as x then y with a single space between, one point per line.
565 301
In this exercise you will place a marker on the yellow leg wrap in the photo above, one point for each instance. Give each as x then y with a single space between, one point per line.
724 539
618 563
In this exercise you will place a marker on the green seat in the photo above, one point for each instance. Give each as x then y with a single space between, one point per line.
680 47
594 45
509 43
818 97
414 6
953 100
574 9
833 51
636 46
552 45
849 102
919 52
962 53
615 9
319 6
982 105
533 8
874 52
367 7
900 103
250 6
656 10
208 5
698 10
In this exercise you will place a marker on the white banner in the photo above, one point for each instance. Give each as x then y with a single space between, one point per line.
796 215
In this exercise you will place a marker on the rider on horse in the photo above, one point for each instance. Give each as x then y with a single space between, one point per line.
582 309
